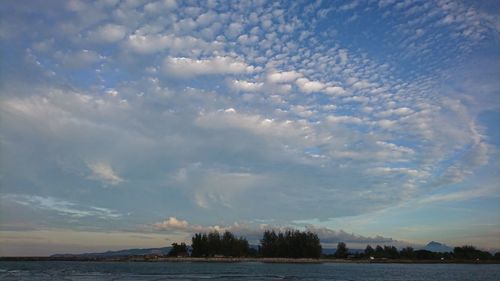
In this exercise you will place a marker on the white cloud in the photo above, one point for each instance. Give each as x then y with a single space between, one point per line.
308 86
283 77
160 6
344 119
253 232
102 171
387 124
187 67
234 29
361 85
109 33
246 86
463 195
402 111
389 171
60 206
221 188
330 236
173 223
400 150
256 124
152 43
78 59
335 90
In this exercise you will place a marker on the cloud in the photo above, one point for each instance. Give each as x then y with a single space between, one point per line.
308 86
102 171
283 77
234 29
153 43
245 86
109 33
231 119
238 129
329 236
78 59
389 171
463 195
402 111
361 85
252 232
344 119
186 67
219 188
174 224
61 207
335 90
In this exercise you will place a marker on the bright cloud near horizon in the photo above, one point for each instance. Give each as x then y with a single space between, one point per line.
130 123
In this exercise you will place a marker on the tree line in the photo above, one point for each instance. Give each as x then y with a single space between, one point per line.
287 244
214 244
391 252
305 244
290 244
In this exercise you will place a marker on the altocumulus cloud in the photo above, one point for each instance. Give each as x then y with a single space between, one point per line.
254 232
61 207
104 172
244 111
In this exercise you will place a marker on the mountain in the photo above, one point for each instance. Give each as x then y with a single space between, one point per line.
434 246
162 251
120 253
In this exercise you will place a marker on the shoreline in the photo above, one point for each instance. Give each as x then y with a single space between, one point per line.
244 260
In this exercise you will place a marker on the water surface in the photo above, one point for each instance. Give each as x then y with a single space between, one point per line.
53 270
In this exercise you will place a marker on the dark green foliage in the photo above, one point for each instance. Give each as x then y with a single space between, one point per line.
269 244
369 251
407 253
460 253
212 244
178 250
391 252
379 252
342 251
290 244
469 253
426 255
497 256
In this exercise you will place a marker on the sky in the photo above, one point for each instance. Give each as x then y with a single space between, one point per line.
129 123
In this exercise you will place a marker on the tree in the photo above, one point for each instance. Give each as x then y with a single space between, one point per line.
369 251
342 251
425 255
379 251
290 244
391 252
407 253
497 256
470 252
199 245
268 244
211 244
178 250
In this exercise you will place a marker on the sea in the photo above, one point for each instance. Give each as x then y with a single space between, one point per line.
59 270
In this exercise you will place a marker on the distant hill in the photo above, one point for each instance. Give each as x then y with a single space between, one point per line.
331 251
162 251
434 246
120 253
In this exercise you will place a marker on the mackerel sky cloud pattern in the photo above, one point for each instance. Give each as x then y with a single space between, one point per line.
378 118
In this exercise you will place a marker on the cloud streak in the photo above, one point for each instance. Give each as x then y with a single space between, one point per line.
61 207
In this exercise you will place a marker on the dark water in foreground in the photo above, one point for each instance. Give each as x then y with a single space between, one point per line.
243 271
